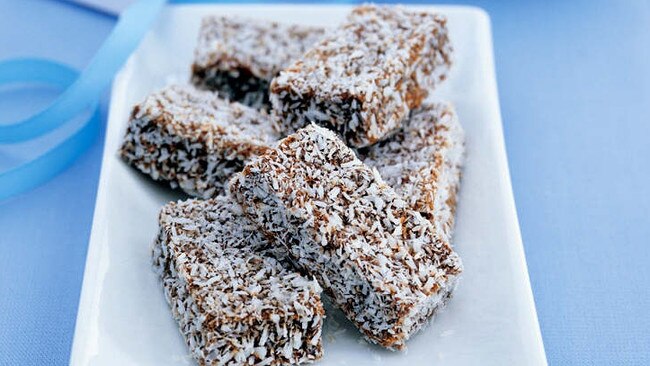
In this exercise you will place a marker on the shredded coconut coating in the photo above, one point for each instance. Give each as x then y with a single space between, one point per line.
238 57
193 139
362 79
423 163
382 263
234 305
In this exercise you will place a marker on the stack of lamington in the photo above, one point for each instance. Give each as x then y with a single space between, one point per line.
317 164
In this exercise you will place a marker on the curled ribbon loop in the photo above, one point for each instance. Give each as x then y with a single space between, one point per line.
82 93
46 166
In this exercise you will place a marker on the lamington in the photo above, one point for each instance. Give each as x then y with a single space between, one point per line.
193 139
363 78
234 304
423 162
381 262
238 57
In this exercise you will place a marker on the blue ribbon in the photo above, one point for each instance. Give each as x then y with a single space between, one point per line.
82 92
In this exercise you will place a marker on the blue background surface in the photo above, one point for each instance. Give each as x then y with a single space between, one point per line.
574 83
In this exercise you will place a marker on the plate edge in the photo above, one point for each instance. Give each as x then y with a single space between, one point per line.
520 251
92 271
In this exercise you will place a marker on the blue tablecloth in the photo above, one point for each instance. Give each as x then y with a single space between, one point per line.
574 81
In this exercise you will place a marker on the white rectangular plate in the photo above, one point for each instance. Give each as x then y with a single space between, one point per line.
123 318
